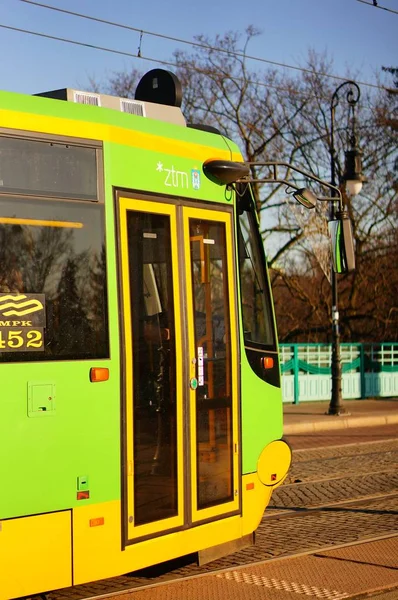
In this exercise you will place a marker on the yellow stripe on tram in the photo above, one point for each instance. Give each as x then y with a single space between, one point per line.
41 223
111 133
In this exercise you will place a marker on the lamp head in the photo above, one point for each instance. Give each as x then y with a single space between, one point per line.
305 197
353 175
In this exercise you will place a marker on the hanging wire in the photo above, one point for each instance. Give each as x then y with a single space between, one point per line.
376 5
140 44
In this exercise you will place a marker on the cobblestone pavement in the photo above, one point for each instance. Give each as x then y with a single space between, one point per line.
321 463
332 491
333 452
331 526
304 516
339 437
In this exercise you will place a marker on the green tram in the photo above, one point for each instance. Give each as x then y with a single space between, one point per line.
141 407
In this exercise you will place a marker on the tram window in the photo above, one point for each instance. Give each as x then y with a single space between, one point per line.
154 367
256 305
47 168
52 270
209 270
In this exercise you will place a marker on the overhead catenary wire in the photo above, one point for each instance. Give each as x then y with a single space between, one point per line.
190 43
85 44
140 56
288 90
376 5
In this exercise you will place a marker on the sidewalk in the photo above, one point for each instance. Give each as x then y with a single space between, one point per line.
312 416
354 570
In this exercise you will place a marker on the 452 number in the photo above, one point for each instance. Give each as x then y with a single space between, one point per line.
21 340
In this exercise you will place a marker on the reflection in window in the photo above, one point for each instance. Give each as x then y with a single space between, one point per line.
154 370
56 248
213 355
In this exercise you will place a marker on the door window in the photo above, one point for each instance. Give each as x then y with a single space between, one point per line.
213 354
154 367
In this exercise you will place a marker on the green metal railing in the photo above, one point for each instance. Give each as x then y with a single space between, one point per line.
369 370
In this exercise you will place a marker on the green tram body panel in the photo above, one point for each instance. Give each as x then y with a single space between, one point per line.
46 459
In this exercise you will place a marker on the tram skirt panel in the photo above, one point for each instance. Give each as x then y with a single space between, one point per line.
35 554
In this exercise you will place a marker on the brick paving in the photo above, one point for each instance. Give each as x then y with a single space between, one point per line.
317 576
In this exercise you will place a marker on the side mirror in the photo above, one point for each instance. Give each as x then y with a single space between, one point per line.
342 243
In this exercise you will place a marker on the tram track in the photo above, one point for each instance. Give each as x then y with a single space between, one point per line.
279 536
306 481
275 514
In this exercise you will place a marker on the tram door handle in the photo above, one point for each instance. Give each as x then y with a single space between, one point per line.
193 382
197 370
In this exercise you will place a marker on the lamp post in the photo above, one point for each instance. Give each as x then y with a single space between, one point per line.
353 179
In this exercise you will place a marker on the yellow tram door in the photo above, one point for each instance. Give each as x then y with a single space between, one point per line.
213 363
179 366
152 369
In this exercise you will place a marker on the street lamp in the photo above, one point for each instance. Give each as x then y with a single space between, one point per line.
353 180
228 173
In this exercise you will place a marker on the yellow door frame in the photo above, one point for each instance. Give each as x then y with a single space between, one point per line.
134 533
163 525
232 506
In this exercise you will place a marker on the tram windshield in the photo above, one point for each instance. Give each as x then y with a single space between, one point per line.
257 314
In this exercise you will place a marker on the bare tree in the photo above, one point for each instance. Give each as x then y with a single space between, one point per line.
274 116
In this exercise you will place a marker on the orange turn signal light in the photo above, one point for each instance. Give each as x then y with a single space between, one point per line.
97 522
99 374
250 486
267 362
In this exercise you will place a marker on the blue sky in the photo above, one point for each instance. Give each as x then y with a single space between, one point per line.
358 37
